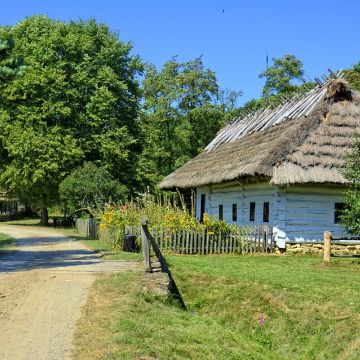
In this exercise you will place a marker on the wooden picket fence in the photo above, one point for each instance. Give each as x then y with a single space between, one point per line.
243 239
87 227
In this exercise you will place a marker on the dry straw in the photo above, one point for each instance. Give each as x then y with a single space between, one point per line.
303 141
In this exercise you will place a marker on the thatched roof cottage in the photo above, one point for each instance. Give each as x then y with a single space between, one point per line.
281 166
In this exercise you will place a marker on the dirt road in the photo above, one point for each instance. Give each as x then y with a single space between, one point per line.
42 288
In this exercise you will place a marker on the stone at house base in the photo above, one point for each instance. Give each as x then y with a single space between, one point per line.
336 249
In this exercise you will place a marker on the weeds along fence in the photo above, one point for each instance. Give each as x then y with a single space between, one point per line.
243 239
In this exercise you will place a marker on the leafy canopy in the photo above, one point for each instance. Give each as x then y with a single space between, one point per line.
280 76
283 79
89 188
353 76
75 99
350 218
183 110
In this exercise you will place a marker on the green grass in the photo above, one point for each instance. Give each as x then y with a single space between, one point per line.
104 248
239 307
24 222
6 242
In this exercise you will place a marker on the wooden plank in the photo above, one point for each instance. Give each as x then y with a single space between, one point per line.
248 235
146 251
156 232
250 239
174 236
184 241
196 242
327 247
187 241
265 238
169 239
161 229
191 241
179 244
199 237
172 239
222 243
240 241
203 243
207 243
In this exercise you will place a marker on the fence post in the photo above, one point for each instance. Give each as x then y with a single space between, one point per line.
327 246
265 238
145 246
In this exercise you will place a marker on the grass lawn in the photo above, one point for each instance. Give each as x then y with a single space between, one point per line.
6 242
25 222
239 307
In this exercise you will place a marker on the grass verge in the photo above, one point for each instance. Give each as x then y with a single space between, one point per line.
105 249
6 242
239 307
24 222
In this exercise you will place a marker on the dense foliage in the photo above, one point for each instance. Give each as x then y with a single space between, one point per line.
353 76
70 94
76 99
350 218
183 110
159 213
88 188
281 75
283 80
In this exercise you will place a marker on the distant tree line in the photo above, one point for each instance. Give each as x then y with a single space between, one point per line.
83 120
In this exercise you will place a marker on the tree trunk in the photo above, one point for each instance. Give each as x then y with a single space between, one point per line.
44 212
44 216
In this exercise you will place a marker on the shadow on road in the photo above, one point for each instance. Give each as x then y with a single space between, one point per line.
17 260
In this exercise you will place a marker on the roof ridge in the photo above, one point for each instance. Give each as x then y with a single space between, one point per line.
261 119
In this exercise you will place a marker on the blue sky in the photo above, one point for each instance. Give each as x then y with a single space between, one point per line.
234 37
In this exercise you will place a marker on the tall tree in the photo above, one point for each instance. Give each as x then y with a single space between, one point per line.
350 217
284 77
183 110
77 99
88 188
280 77
353 76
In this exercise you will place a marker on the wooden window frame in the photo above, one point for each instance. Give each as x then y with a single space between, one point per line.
338 209
221 212
252 211
234 212
266 212
202 207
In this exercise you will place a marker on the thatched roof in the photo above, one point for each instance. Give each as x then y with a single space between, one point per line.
304 140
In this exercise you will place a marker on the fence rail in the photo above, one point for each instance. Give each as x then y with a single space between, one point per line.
247 239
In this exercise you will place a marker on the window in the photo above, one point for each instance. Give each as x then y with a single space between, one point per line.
202 207
221 212
252 211
339 207
266 212
234 212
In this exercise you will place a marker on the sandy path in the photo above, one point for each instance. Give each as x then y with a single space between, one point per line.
42 288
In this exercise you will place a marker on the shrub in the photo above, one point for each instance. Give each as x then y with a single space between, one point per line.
158 213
